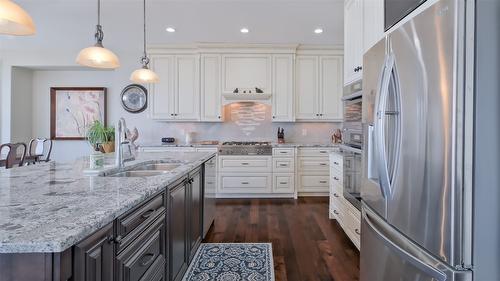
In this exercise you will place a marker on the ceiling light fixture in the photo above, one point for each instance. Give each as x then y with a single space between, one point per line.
97 56
170 29
14 20
318 30
244 30
144 74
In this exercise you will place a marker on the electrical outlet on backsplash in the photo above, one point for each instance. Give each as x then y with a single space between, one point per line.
242 121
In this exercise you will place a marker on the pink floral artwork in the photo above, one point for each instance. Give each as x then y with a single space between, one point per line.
73 110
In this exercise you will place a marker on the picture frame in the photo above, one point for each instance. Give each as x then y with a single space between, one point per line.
73 109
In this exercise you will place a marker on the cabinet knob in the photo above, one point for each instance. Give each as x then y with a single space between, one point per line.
218 116
171 114
274 117
357 231
335 212
336 195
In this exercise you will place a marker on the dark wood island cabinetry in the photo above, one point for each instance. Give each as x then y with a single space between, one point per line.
154 241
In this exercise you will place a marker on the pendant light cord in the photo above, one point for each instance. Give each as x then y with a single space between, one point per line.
144 59
99 34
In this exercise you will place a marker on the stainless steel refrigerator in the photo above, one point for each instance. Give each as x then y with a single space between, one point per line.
416 221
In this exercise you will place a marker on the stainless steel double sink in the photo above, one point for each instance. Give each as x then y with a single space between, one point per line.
146 170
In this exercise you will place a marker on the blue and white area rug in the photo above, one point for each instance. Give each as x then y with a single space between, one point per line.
232 262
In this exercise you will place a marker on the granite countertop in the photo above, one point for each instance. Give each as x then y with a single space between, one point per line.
50 207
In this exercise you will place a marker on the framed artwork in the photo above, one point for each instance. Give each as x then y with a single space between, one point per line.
72 110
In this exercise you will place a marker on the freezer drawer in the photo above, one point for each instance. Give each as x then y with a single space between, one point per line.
388 255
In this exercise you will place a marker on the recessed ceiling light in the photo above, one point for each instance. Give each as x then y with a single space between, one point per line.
170 29
244 30
318 30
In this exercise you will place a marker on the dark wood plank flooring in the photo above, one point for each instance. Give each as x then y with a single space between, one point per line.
306 244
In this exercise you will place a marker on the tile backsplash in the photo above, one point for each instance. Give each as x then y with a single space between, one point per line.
242 121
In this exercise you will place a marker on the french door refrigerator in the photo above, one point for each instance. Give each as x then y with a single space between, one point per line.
415 220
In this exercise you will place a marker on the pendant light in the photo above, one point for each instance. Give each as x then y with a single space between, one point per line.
14 20
97 56
144 74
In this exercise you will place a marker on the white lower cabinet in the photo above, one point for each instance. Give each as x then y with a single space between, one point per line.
340 209
283 183
313 170
247 183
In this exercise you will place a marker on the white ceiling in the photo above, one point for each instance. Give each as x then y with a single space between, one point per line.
70 24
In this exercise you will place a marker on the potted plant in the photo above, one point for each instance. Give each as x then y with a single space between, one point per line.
101 137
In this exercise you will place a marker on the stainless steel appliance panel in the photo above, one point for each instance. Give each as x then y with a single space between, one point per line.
396 10
417 130
374 69
397 258
352 170
210 189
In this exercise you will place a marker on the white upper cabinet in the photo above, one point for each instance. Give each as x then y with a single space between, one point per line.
283 92
188 88
211 107
177 95
246 71
373 22
330 88
162 94
318 88
306 85
353 41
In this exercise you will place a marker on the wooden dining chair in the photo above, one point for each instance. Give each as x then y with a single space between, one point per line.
13 155
39 150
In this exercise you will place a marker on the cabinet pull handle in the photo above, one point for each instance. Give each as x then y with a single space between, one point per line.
117 239
146 259
335 212
244 163
322 181
283 165
283 152
336 163
357 231
244 182
336 195
322 164
147 214
283 182
335 178
323 151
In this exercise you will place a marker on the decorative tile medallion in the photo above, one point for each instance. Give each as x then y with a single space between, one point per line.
232 262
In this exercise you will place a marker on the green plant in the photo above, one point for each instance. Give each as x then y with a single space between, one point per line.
98 134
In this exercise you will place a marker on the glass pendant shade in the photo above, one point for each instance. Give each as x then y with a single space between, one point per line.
98 57
14 20
143 76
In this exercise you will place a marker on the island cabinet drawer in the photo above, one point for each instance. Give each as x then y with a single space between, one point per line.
284 152
132 224
314 152
314 164
283 165
144 255
251 164
247 183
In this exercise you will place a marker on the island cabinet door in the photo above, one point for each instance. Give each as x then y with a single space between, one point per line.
195 211
94 257
177 229
142 259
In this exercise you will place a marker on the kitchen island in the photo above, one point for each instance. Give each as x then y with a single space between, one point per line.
57 223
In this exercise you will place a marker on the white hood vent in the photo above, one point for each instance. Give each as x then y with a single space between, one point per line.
246 95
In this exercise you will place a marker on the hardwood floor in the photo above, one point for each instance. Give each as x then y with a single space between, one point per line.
306 244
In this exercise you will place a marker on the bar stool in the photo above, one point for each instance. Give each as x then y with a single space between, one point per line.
12 156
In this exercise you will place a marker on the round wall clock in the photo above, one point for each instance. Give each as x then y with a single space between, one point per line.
134 98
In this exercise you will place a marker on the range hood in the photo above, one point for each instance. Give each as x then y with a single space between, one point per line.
246 95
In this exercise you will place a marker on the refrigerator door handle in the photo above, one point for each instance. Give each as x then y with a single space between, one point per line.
438 275
383 173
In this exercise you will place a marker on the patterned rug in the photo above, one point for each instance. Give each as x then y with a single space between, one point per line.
232 262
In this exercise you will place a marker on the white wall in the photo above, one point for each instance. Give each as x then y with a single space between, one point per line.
21 105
